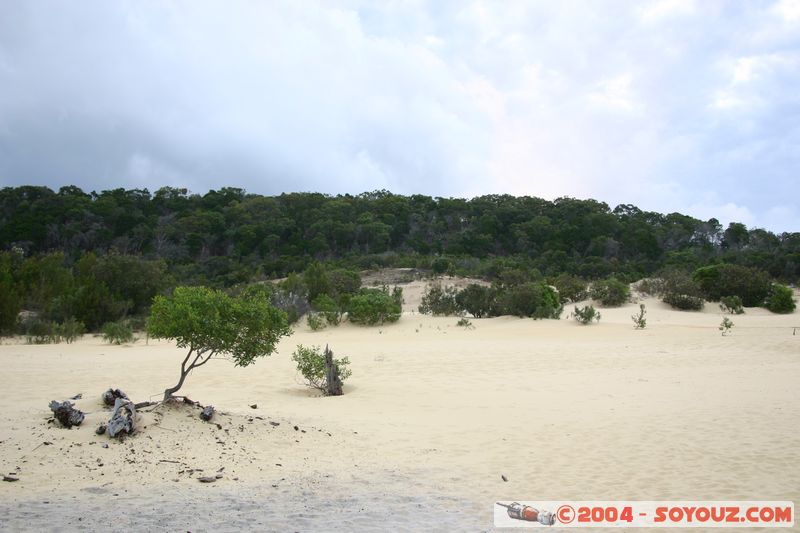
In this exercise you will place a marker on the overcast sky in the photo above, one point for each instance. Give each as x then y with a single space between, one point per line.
671 105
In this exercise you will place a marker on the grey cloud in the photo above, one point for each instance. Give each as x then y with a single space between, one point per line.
684 106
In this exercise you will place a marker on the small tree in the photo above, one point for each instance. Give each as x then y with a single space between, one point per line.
639 321
311 365
209 323
585 315
475 299
726 325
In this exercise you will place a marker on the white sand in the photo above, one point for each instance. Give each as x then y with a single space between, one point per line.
432 417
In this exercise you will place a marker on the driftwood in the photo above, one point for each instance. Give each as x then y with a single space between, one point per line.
123 419
207 412
110 396
333 383
66 413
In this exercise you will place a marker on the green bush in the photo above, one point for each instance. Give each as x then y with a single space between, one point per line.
439 300
532 299
69 330
610 292
374 306
325 305
441 265
570 288
38 331
464 322
316 321
585 315
780 299
475 299
311 365
731 304
684 302
749 284
726 325
639 321
117 332
680 291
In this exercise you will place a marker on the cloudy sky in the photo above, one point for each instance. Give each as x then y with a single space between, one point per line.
672 105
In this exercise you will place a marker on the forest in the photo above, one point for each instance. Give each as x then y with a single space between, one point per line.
70 253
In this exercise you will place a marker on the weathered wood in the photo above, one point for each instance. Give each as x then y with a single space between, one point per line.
333 383
111 395
207 412
66 413
123 419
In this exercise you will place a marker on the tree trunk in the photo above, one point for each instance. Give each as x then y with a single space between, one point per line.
333 383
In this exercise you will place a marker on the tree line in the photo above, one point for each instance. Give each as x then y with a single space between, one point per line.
95 256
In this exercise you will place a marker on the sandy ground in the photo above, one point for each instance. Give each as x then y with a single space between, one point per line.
432 417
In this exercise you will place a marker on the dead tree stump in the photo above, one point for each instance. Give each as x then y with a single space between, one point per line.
207 412
123 419
110 396
66 413
333 383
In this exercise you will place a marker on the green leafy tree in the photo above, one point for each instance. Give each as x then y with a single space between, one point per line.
210 323
681 291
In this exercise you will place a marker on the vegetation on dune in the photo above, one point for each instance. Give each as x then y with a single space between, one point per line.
102 257
310 362
586 314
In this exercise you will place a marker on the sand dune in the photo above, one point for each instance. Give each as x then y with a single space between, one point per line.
432 417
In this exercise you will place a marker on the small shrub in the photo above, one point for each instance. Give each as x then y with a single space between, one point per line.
70 329
639 321
330 311
731 304
476 300
680 291
38 331
684 302
439 300
117 332
726 325
610 292
293 302
585 315
311 365
570 288
780 299
374 306
316 321
441 265
464 322
532 299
